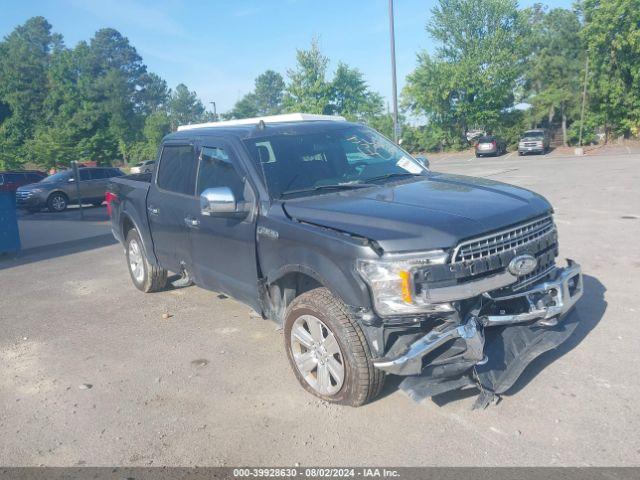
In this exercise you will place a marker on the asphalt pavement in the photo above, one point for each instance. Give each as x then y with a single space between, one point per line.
96 373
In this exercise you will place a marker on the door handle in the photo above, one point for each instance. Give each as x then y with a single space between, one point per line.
192 222
153 210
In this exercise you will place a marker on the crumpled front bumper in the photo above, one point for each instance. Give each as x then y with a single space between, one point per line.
547 303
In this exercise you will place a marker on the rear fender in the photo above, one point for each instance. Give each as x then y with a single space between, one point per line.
129 217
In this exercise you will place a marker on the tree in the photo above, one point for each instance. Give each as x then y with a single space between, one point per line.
185 107
553 73
611 34
470 81
269 90
308 91
154 94
156 126
266 98
351 96
24 60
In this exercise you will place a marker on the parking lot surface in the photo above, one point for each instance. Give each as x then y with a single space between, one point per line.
96 373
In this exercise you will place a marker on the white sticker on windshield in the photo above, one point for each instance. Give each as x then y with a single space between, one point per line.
409 165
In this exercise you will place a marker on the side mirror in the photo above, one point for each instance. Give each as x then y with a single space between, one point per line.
423 161
220 201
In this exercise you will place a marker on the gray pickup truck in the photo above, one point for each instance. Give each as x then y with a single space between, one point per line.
372 263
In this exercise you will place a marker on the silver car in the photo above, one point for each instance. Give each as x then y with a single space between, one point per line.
143 167
59 190
534 141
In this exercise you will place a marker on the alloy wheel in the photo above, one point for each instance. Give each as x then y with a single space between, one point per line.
317 355
136 261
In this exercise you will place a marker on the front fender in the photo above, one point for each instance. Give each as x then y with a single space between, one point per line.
323 254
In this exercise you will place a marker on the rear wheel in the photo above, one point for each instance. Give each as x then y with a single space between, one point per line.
57 202
146 277
328 352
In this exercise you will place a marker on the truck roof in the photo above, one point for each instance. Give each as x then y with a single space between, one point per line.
246 130
285 117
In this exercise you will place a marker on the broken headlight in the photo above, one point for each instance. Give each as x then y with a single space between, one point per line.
391 280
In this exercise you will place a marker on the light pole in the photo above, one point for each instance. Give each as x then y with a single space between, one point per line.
215 114
394 86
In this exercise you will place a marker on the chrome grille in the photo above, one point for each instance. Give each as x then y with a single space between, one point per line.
22 195
512 238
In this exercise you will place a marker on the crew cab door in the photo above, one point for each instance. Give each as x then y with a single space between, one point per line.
223 246
170 200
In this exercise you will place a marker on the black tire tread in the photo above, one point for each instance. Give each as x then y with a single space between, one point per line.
369 379
155 276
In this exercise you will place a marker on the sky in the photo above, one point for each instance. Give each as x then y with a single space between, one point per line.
217 47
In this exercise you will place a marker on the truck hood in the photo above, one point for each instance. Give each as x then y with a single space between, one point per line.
436 212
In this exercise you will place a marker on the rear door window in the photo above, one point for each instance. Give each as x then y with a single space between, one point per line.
85 174
99 174
177 169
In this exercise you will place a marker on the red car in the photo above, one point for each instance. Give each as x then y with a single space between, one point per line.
11 180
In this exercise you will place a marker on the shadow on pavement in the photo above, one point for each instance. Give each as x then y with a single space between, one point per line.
90 213
590 310
55 250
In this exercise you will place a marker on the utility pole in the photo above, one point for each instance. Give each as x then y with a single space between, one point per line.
215 113
584 97
396 127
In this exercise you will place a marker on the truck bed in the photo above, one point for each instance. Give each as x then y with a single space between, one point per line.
130 193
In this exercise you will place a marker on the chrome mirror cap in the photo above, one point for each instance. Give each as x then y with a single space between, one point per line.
217 200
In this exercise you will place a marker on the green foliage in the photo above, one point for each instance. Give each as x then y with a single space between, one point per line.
185 107
555 65
471 79
156 126
266 99
611 34
347 94
24 59
96 101
308 90
589 135
351 96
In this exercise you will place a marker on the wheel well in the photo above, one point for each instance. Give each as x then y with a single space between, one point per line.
127 225
283 290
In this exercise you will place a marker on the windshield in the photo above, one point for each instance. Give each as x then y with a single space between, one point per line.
314 163
533 135
57 177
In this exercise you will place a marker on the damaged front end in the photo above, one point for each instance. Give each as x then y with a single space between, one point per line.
508 304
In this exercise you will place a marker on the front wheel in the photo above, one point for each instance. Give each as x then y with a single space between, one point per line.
328 352
57 202
145 276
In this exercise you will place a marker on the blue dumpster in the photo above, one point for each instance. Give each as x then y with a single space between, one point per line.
9 233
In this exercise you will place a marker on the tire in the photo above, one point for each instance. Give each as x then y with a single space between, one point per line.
345 345
146 277
57 202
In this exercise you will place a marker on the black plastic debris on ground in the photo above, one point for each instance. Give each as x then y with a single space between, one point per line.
509 350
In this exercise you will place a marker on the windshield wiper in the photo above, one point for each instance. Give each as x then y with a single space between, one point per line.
395 174
333 186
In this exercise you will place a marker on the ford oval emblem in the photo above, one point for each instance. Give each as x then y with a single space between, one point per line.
522 265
